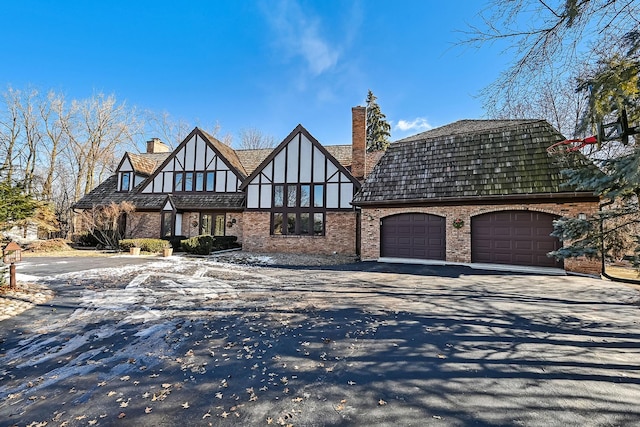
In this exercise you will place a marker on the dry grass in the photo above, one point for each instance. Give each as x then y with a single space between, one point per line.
623 272
69 253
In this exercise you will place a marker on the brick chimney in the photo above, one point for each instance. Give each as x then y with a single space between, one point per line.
154 145
358 141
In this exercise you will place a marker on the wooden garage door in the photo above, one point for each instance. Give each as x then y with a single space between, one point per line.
514 237
413 235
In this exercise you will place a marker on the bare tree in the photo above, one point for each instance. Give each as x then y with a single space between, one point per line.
556 101
544 36
253 139
161 125
105 223
55 117
102 128
10 129
28 104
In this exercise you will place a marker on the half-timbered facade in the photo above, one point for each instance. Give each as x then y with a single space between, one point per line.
200 187
297 197
299 200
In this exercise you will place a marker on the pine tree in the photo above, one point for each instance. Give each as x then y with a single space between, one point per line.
613 92
15 206
378 130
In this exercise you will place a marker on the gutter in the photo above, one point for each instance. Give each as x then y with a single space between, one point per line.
497 198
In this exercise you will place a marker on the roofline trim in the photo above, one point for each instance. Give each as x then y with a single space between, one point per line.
587 195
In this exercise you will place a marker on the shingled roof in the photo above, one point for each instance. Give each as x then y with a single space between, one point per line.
104 193
227 152
146 164
469 159
107 193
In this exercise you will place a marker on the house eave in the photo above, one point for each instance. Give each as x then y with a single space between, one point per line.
496 199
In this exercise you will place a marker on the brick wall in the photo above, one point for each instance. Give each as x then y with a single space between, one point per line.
237 228
190 224
143 224
340 236
458 241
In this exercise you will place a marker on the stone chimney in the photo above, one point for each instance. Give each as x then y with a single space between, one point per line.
358 141
154 145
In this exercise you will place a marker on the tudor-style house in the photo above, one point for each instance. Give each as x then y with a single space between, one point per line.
475 191
294 198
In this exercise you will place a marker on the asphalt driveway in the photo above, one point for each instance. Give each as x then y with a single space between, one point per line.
195 342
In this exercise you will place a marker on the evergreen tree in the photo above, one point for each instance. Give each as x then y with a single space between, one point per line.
613 91
15 206
378 130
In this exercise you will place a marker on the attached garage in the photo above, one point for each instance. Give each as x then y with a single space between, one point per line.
495 184
514 237
413 235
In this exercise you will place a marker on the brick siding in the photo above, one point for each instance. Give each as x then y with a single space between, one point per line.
340 236
458 241
143 224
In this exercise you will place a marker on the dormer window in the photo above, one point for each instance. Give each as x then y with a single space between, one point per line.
125 181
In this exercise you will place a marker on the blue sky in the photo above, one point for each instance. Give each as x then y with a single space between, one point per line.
263 64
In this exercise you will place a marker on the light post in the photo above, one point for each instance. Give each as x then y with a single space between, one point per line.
11 254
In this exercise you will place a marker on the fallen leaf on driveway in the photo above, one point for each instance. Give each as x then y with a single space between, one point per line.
381 402
185 405
147 410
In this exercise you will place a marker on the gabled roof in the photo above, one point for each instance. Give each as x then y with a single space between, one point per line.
225 151
106 193
251 158
324 150
469 159
146 164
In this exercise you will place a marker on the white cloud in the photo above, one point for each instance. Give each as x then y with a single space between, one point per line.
419 124
299 33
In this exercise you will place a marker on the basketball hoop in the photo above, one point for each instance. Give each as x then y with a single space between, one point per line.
618 130
571 145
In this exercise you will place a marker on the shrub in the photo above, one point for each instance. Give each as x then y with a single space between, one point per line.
198 245
225 242
86 240
175 241
145 245
126 244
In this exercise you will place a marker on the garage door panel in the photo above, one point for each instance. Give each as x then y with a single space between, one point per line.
514 237
420 236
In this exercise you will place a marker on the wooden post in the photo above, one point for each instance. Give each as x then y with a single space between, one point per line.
12 277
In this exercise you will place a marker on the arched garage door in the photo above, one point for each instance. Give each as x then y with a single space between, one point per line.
514 237
413 235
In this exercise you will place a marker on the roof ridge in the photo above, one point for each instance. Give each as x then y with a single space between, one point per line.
503 123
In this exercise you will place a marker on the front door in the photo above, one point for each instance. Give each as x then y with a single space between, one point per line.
212 224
